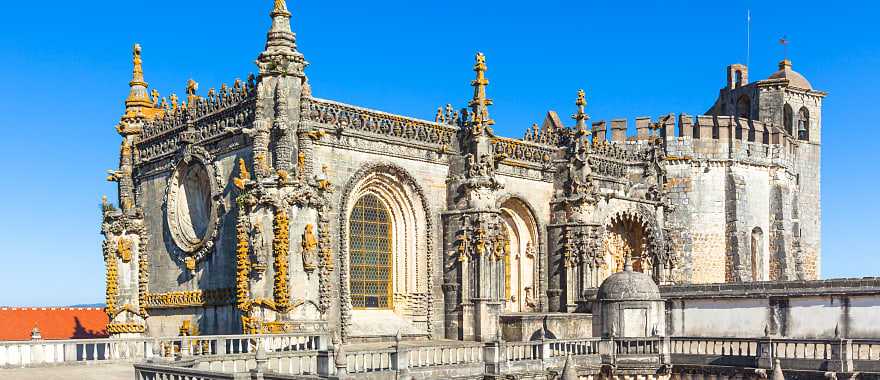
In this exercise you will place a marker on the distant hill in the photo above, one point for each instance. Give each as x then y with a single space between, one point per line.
89 305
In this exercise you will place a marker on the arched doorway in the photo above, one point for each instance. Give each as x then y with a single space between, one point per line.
521 256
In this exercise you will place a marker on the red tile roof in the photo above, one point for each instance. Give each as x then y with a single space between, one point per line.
16 323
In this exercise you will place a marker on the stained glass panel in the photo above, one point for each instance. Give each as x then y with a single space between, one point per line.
370 242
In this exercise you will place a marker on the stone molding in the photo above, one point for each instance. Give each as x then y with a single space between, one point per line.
345 287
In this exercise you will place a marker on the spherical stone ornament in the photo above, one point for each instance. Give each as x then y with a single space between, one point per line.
192 206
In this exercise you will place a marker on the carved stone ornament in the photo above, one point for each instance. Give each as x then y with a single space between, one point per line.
192 205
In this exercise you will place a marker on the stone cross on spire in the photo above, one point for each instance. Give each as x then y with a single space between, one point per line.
480 104
280 55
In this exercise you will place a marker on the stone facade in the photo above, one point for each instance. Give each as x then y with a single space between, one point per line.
236 209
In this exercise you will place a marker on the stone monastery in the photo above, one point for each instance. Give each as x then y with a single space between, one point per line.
258 208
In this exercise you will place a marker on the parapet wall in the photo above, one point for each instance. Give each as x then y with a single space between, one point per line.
848 308
704 137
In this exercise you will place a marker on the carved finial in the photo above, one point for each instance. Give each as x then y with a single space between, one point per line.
191 87
581 117
568 371
777 371
480 104
280 55
628 264
138 100
280 6
837 331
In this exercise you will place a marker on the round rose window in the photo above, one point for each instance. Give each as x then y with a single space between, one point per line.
190 206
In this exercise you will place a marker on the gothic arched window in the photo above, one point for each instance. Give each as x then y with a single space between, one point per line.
744 107
371 254
787 116
803 124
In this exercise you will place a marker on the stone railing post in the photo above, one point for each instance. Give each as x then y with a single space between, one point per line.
665 350
325 362
185 347
221 345
841 356
765 353
546 350
400 361
492 356
262 359
606 351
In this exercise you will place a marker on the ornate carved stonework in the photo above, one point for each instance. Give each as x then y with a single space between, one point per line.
192 205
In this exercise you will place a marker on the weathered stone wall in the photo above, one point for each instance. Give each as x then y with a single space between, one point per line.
797 309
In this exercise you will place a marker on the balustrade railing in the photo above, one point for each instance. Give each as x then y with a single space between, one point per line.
448 354
714 346
637 346
370 361
574 347
41 352
802 349
863 349
518 351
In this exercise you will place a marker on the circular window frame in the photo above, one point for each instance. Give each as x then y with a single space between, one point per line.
199 249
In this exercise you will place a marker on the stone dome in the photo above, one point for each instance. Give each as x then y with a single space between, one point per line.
629 286
795 79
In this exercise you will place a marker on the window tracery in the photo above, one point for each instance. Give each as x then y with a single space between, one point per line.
371 254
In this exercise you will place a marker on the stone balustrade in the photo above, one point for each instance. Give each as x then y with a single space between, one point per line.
53 352
835 355
303 356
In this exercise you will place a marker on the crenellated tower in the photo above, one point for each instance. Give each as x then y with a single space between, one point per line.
791 109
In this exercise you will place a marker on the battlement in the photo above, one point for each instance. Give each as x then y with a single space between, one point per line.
702 136
701 127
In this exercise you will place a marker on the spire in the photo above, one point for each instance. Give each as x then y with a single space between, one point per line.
581 117
628 264
777 371
480 104
568 371
138 102
280 55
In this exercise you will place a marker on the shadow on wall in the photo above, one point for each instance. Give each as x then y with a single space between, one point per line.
80 332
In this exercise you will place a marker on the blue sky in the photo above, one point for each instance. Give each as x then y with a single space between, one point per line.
65 68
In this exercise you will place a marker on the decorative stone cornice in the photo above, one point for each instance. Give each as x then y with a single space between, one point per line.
195 298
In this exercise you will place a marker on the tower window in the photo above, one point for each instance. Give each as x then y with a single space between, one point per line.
787 116
371 254
803 124
744 107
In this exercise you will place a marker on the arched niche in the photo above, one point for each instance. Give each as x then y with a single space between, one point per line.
521 257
